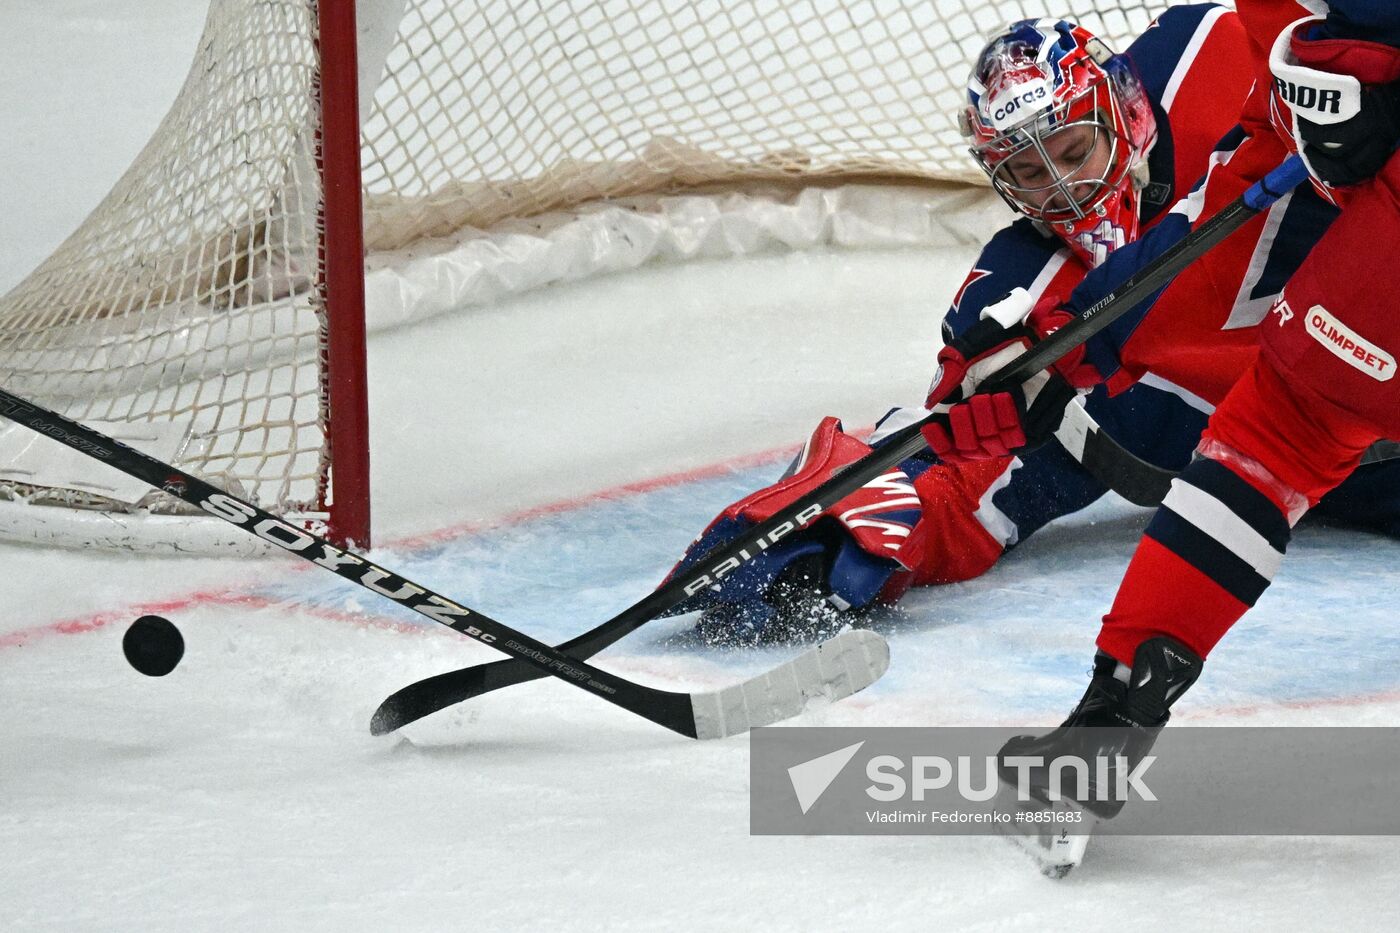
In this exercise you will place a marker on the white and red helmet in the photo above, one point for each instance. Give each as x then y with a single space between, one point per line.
1043 77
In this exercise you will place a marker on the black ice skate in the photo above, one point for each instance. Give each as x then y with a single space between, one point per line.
1111 731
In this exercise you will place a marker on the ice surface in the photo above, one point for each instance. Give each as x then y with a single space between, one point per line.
243 791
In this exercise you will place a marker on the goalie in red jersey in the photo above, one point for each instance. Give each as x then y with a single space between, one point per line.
1128 135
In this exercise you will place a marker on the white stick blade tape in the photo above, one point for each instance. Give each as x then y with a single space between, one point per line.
831 671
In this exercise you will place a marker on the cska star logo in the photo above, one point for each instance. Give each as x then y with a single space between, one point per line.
973 277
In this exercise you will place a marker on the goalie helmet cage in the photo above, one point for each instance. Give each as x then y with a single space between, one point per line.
212 308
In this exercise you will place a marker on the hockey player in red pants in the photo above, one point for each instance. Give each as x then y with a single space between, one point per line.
1319 393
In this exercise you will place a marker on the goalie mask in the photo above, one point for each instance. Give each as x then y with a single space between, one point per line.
1063 128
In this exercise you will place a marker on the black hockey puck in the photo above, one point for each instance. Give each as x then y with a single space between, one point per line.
153 645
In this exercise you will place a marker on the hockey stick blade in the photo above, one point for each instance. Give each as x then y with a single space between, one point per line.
841 666
833 670
427 696
1381 451
1133 478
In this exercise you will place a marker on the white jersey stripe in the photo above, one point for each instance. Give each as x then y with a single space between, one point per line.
1188 56
1047 274
1247 311
997 523
1166 385
1213 517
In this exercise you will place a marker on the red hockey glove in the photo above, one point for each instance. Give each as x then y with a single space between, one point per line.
1345 98
981 427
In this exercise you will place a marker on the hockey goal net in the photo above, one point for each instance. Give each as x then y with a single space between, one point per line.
209 309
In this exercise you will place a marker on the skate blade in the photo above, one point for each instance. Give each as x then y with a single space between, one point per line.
1055 857
1055 836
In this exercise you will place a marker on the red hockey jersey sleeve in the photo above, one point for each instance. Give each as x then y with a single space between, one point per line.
1200 332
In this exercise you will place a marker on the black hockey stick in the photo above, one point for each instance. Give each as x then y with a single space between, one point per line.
836 668
434 693
1109 462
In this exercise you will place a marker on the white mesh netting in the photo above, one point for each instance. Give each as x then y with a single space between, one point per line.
192 295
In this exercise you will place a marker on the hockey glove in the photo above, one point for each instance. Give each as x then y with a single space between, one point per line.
1348 153
1345 97
983 426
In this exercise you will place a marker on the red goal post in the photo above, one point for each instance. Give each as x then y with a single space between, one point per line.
330 166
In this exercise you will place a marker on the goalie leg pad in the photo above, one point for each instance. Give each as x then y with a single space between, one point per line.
850 560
